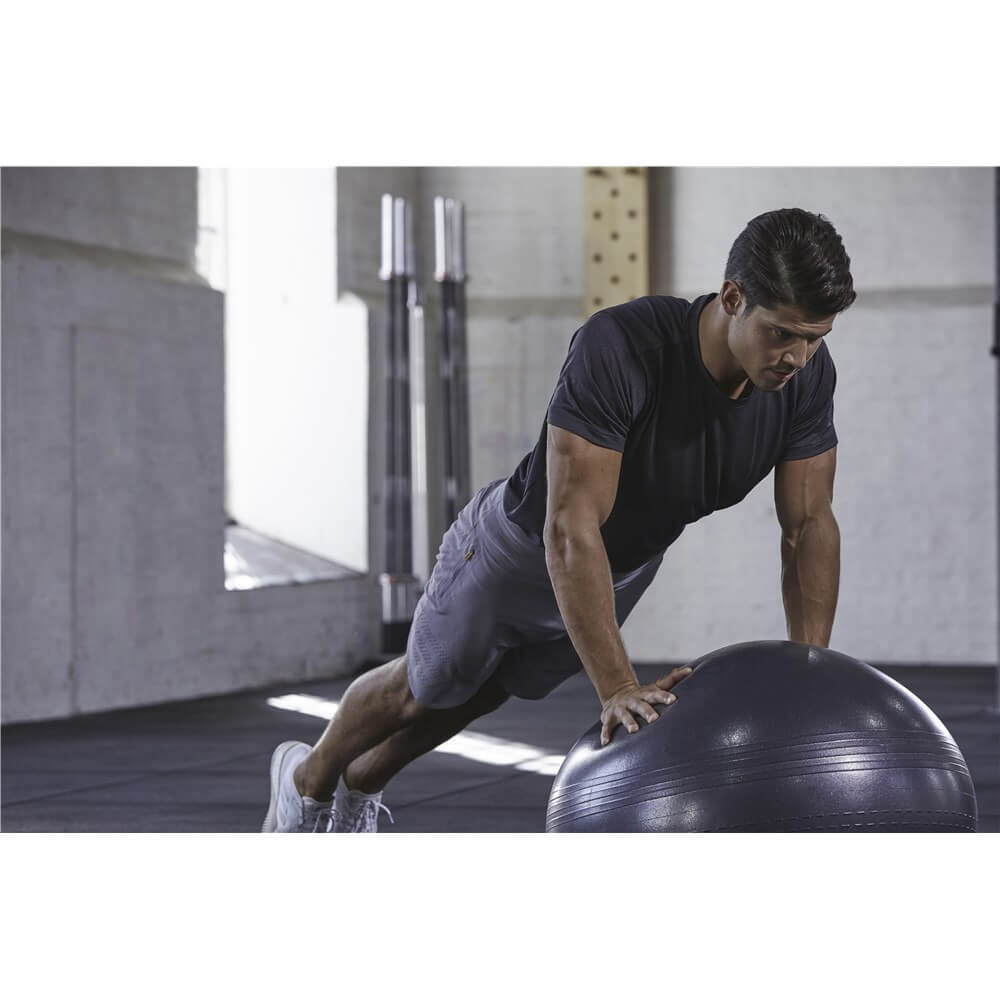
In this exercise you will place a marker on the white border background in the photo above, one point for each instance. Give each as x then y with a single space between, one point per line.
518 83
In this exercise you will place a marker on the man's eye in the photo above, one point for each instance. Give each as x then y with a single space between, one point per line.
781 335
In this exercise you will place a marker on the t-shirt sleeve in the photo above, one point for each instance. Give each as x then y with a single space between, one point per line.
812 430
601 388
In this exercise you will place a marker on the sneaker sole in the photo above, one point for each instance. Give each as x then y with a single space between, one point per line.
277 758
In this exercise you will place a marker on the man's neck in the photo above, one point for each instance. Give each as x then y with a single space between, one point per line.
713 326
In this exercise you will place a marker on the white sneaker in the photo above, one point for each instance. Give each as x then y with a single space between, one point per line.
356 812
288 811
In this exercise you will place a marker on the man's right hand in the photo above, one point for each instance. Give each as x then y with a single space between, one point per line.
624 705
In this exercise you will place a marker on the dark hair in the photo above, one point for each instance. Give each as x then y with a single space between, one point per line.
792 257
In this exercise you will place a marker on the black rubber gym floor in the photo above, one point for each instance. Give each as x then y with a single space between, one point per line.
202 766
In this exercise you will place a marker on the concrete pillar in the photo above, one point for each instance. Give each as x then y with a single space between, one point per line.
113 421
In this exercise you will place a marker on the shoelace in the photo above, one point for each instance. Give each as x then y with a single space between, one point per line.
324 817
366 818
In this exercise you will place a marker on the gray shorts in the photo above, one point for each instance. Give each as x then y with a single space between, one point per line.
489 609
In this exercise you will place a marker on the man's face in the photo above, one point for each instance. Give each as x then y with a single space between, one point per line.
772 345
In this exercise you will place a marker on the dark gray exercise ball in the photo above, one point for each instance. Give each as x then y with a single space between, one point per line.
771 736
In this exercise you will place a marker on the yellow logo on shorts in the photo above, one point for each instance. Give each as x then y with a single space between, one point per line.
469 554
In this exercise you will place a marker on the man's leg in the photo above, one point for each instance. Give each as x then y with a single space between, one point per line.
377 706
378 728
370 772
454 644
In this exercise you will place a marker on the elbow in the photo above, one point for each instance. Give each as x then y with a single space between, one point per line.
562 537
821 522
556 538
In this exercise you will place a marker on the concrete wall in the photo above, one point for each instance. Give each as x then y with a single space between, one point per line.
150 212
915 402
113 413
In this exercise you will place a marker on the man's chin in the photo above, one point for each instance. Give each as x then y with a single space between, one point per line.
769 381
765 384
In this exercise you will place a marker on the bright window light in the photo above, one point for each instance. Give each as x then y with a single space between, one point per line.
472 746
306 704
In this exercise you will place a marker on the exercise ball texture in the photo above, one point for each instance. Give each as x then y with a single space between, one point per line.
771 737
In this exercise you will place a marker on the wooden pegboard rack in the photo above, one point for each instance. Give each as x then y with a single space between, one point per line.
615 236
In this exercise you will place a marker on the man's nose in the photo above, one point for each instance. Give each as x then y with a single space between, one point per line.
796 356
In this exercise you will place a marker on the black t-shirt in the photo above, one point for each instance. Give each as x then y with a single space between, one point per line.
634 381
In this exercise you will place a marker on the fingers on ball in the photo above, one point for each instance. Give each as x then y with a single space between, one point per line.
663 697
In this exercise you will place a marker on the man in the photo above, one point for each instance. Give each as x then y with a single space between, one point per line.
664 411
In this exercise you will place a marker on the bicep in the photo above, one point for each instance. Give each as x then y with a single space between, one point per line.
582 481
803 489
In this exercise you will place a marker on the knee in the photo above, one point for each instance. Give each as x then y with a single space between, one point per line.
489 697
408 707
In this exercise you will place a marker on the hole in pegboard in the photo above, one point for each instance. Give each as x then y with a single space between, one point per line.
632 213
614 192
632 256
614 236
597 213
598 258
614 279
597 301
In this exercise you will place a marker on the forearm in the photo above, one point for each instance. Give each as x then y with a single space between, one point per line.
581 578
810 579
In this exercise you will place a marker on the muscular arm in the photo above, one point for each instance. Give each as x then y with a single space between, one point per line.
582 484
810 546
